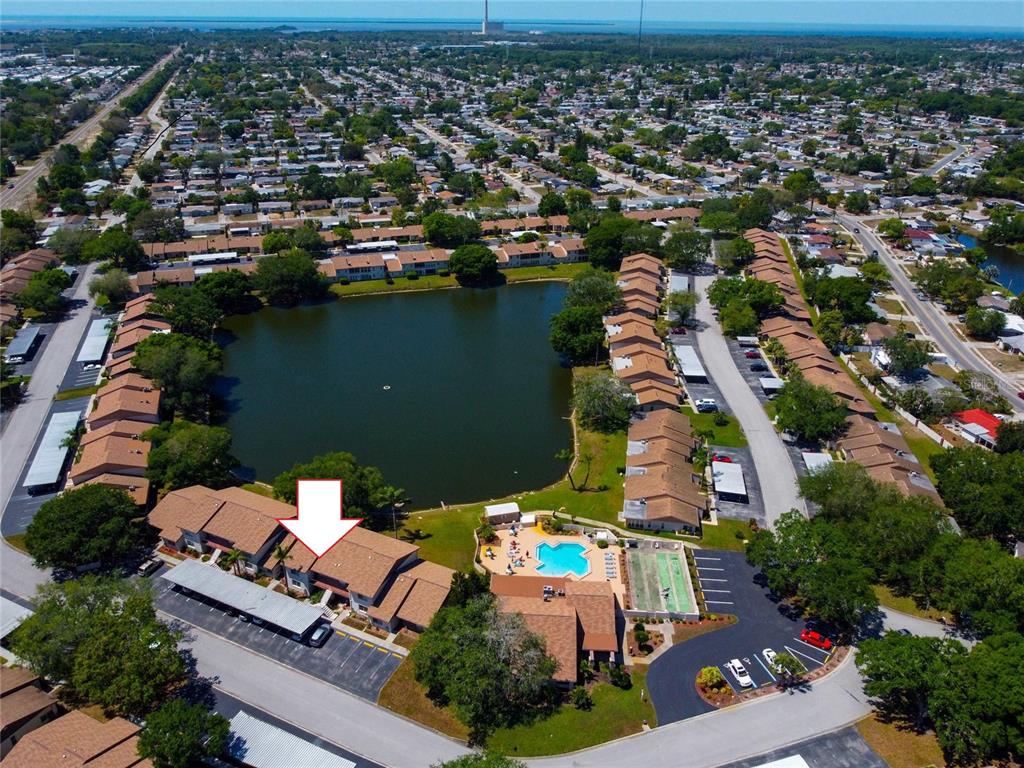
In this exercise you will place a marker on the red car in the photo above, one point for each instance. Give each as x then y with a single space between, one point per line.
751 354
721 457
1020 395
816 639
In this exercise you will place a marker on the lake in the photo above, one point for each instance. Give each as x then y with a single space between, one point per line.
456 394
1009 263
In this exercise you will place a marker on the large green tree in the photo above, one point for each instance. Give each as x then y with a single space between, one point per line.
485 663
577 334
182 367
474 264
289 278
602 401
450 231
85 525
185 454
593 288
365 492
180 735
901 672
983 490
43 293
118 247
809 411
188 310
103 639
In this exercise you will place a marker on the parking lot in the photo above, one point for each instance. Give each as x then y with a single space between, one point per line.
700 390
729 586
346 661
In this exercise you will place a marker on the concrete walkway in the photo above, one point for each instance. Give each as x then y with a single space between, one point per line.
774 466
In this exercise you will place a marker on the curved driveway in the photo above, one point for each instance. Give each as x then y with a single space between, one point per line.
775 470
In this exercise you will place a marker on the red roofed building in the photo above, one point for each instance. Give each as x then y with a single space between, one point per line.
978 426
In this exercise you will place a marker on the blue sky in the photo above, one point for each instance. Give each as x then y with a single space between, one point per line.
1007 15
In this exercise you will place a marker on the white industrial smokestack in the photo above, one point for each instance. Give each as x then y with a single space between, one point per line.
483 29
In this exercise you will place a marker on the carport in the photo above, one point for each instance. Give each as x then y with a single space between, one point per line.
259 602
689 364
729 482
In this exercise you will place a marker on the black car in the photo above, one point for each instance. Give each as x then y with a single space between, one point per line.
758 367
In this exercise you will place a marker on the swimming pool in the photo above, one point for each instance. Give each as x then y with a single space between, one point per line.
561 559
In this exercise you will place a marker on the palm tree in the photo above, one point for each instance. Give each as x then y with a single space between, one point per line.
281 555
235 559
394 499
566 454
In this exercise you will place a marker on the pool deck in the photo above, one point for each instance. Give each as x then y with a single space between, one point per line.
528 540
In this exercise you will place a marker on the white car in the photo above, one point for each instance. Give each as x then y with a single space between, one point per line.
705 405
771 658
740 673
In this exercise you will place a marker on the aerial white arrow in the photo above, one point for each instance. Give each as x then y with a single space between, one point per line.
319 524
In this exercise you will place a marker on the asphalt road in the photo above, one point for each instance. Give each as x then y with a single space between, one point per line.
774 467
842 749
229 706
318 707
344 660
945 160
729 587
29 417
929 317
25 184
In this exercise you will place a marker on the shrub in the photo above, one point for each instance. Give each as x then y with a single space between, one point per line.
721 419
710 679
602 544
486 533
580 698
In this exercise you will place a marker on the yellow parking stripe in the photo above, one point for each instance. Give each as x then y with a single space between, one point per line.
382 650
397 655
369 645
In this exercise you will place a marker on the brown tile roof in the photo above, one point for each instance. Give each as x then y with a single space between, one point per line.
126 404
130 381
594 602
416 595
122 428
186 509
78 741
136 487
110 454
363 560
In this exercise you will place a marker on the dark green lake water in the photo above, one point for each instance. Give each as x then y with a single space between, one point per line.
477 403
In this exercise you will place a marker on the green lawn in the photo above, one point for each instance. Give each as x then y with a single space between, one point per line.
892 306
261 488
616 713
729 436
71 394
435 282
887 599
723 535
446 536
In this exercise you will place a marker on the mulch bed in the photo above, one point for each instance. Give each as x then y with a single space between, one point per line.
717 699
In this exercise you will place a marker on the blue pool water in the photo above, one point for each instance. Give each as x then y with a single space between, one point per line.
561 559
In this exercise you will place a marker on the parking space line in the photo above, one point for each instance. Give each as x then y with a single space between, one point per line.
719 602
798 653
398 655
764 667
369 645
708 568
716 559
703 579
382 650
725 591
813 647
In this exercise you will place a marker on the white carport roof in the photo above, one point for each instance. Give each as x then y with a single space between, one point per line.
274 608
262 745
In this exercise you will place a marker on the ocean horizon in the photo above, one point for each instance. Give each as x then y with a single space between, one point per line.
13 22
